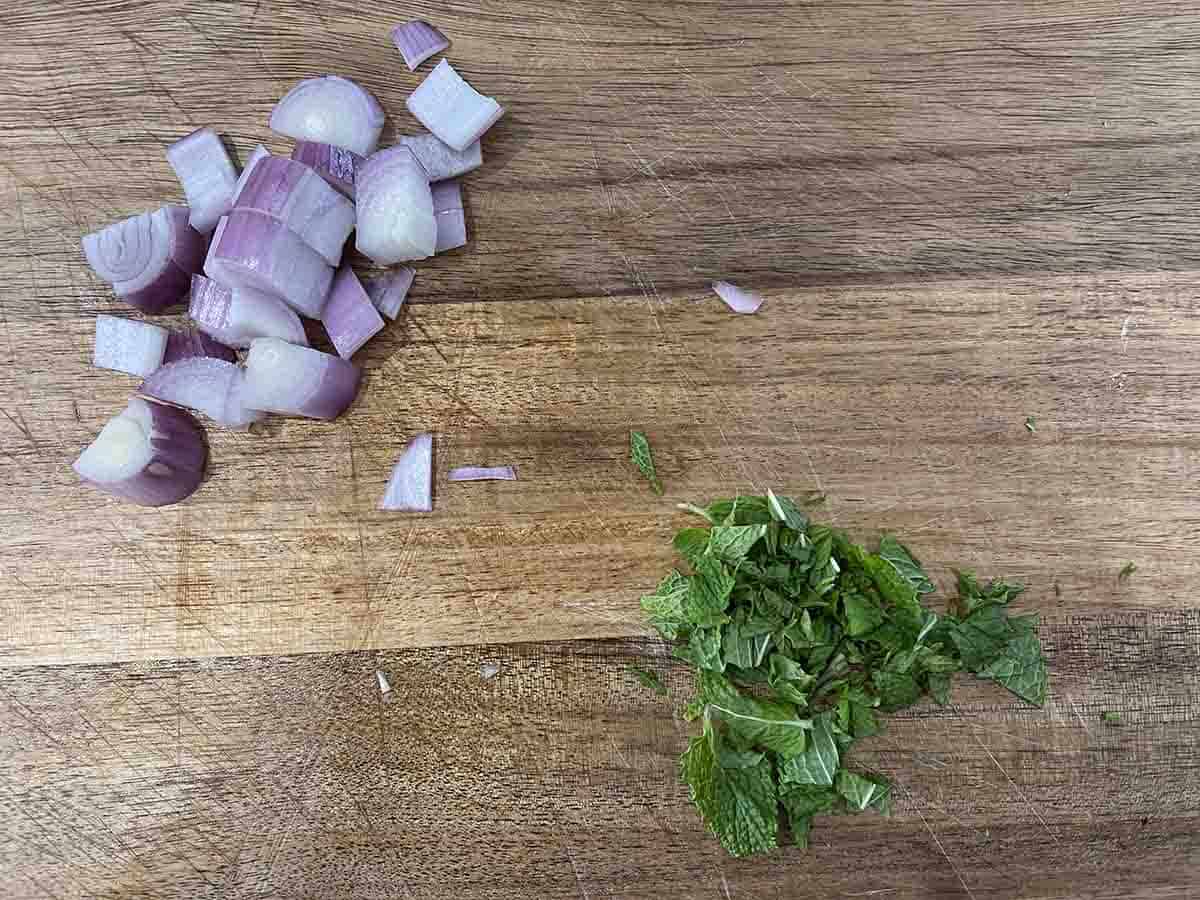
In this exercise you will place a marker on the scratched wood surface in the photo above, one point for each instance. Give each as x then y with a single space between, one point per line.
961 215
287 777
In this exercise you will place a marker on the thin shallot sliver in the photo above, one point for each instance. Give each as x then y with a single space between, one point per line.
735 298
417 40
482 473
411 486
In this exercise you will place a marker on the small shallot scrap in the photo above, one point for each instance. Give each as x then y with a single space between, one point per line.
482 473
740 301
489 670
385 686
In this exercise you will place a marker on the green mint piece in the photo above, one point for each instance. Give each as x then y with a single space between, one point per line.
788 680
744 646
905 564
1021 668
863 614
732 542
818 764
639 452
708 593
739 805
896 690
1031 424
939 688
703 650
982 636
801 802
664 608
1110 718
690 543
785 510
1126 570
648 679
774 726
861 792
741 510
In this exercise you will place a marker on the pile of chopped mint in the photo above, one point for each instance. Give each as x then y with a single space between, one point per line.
800 639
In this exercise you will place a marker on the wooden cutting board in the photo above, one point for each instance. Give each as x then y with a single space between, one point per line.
960 218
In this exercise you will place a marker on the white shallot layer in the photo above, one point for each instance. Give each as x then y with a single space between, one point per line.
410 488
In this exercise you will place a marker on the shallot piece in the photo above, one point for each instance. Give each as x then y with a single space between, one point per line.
483 473
194 344
236 316
211 386
330 110
149 258
125 345
150 454
388 292
395 208
349 317
303 201
441 161
452 109
207 175
417 40
260 153
254 250
385 686
411 486
336 165
736 299
448 213
300 381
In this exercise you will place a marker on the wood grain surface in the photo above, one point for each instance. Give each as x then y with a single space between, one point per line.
961 215
287 777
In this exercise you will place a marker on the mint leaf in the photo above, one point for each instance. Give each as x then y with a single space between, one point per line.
801 803
982 636
708 593
738 804
691 543
775 726
639 452
939 688
905 564
819 762
1020 668
648 679
703 650
743 646
740 510
788 680
785 510
732 542
664 608
861 792
1126 570
863 614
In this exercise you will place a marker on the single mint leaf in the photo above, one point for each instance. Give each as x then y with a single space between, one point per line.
639 452
648 679
896 590
1126 570
801 803
982 636
818 764
732 542
939 688
1021 668
861 792
896 690
664 608
1031 424
863 614
729 758
741 510
785 510
739 805
690 543
703 650
774 726
1110 718
708 593
905 564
